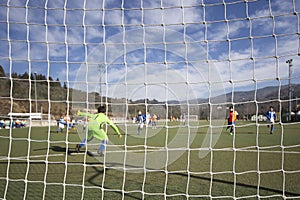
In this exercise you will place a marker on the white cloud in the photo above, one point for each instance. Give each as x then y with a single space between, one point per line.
113 17
158 39
193 14
17 3
282 7
260 13
56 34
157 76
16 14
236 29
152 4
172 16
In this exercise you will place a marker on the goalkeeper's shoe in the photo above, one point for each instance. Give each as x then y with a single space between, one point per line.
77 149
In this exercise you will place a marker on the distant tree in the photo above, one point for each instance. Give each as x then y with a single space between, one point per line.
15 75
2 72
44 79
57 82
53 83
24 76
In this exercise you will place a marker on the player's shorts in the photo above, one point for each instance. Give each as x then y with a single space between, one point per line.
60 125
141 125
271 121
99 134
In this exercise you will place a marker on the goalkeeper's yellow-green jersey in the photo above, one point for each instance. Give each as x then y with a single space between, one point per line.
96 125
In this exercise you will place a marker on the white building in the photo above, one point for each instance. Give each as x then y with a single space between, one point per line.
37 116
259 118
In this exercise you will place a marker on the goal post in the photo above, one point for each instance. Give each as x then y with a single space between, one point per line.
186 83
192 118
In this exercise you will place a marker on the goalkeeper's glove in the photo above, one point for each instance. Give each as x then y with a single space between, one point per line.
78 112
120 136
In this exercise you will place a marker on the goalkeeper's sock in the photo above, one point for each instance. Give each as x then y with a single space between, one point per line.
102 146
77 148
100 153
83 143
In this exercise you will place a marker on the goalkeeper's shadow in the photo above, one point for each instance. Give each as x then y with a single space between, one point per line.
57 149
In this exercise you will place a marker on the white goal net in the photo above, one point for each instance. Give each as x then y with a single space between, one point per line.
205 95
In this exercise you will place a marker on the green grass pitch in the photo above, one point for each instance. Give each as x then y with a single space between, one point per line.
38 163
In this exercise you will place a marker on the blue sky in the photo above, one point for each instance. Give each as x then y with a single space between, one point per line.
158 49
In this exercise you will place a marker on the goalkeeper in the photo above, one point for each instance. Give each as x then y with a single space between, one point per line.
96 129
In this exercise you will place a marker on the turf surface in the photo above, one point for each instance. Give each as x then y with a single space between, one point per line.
38 163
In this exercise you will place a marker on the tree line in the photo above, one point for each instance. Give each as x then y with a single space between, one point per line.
40 78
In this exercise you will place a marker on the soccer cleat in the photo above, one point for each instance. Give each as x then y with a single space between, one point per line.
100 153
77 149
230 133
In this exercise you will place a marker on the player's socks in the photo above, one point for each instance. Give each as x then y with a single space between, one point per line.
272 129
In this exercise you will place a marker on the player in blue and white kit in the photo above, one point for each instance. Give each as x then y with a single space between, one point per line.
271 117
148 118
183 118
140 120
61 124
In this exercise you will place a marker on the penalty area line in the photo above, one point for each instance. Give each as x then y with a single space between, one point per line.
26 157
89 153
76 153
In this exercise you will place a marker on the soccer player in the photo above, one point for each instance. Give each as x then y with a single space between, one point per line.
153 121
61 124
233 115
2 123
183 118
96 129
271 117
140 121
148 118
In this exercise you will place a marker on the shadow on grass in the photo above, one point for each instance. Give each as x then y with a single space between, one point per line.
240 184
99 172
69 151
58 149
93 180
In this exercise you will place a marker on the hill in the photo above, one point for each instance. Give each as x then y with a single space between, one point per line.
17 94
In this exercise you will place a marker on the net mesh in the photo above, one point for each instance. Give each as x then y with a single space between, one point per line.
182 64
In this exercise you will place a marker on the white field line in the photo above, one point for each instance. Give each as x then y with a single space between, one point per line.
143 150
26 157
